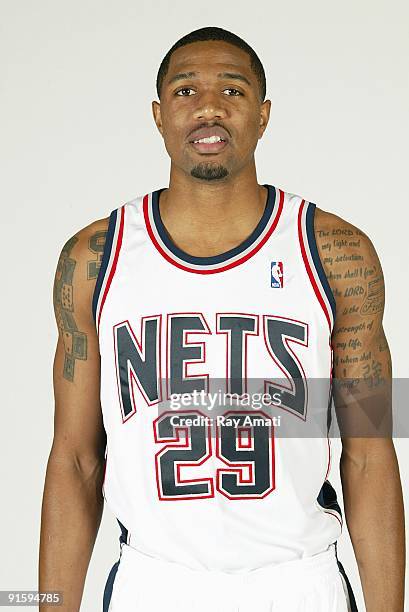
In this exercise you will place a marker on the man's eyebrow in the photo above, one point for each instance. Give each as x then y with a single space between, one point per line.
221 75
234 75
181 75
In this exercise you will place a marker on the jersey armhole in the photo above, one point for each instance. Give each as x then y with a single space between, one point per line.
109 260
313 263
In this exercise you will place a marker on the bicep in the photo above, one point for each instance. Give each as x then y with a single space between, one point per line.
79 434
78 427
360 347
362 362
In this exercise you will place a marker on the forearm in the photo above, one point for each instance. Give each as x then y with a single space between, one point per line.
71 514
375 519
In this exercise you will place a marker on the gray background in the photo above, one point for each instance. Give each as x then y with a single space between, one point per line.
78 139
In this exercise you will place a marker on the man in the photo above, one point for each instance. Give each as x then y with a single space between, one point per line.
217 283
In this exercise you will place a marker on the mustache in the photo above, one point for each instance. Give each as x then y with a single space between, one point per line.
208 126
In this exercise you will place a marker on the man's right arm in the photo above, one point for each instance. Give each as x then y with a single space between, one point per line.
72 500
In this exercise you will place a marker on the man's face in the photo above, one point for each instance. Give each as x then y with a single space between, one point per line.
220 100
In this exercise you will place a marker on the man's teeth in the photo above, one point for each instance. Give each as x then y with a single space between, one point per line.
209 140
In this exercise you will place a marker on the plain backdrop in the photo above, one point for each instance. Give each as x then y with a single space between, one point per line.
78 139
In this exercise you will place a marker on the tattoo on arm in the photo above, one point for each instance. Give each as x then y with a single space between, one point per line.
356 280
75 341
96 245
374 299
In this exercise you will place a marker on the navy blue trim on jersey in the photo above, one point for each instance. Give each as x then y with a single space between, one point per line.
316 257
109 585
124 533
351 596
329 408
105 260
327 497
213 259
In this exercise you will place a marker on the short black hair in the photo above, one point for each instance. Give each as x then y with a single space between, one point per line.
214 33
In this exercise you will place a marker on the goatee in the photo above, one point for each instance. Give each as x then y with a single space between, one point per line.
208 171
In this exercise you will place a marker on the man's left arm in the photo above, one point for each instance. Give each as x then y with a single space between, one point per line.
362 373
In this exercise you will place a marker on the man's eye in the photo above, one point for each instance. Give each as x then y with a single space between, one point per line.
232 89
178 93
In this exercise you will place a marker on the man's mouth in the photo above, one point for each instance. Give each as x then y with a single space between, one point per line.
209 139
209 144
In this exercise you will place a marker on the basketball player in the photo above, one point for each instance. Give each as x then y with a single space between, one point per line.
217 279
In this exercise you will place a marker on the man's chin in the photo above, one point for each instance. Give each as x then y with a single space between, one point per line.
209 171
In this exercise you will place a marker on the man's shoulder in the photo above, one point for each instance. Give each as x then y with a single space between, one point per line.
351 265
340 240
89 238
326 221
79 262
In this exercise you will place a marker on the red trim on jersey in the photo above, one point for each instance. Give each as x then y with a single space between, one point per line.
308 267
222 268
332 513
114 263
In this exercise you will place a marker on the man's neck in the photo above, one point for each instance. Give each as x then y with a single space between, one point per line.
205 219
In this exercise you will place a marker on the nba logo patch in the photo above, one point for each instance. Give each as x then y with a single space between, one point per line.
277 277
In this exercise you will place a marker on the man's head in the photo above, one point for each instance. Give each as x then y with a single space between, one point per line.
225 87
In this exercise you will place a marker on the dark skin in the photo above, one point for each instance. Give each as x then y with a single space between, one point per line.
206 217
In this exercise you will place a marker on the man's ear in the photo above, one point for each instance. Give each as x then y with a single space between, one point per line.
264 116
157 115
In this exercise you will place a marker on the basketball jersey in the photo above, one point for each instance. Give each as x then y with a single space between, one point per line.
235 486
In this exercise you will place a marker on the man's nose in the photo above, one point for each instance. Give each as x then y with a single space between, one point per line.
209 107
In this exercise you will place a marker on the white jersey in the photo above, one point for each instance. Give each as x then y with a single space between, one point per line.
223 487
